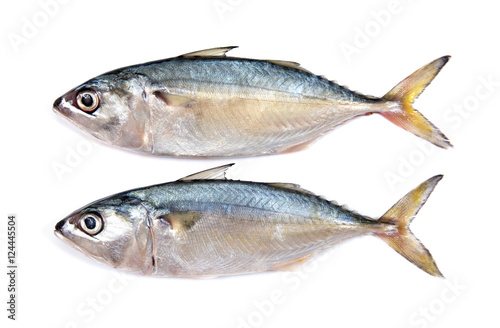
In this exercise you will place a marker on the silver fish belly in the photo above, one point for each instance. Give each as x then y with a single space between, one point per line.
205 104
205 226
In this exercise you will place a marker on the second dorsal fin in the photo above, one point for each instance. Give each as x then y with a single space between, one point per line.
290 186
286 63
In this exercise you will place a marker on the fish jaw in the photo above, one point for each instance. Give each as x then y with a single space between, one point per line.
68 241
66 231
64 106
59 234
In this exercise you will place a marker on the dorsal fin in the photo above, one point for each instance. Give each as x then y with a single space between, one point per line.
215 173
212 52
286 63
290 186
221 52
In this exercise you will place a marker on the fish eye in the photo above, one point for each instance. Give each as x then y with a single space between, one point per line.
87 100
91 223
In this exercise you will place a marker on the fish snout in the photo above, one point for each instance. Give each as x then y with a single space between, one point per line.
60 225
64 103
59 105
58 102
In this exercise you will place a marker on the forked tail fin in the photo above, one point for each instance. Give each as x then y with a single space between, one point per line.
402 240
405 94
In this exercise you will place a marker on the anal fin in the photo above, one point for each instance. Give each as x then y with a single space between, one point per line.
292 265
296 148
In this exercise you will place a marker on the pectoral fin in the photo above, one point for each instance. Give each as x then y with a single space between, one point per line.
181 221
171 99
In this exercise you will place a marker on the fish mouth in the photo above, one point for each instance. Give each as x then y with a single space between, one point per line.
57 102
63 232
60 225
59 234
64 104
60 107
73 244
66 240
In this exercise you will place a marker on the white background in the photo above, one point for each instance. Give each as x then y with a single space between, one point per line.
361 283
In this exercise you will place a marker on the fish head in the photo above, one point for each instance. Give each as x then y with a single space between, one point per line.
111 107
114 231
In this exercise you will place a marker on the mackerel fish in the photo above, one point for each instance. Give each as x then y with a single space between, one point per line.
207 226
205 104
